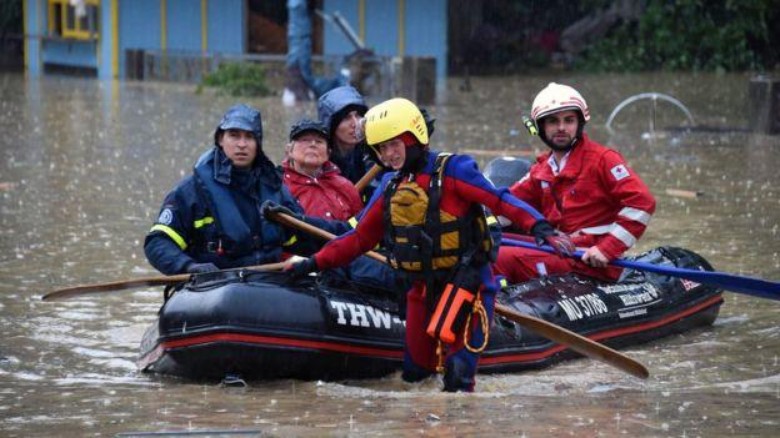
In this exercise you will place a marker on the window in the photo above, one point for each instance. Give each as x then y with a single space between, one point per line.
79 21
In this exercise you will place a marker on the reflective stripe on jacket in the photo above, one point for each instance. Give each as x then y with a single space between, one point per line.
211 217
596 198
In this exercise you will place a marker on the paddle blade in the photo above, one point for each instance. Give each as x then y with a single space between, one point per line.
116 286
576 342
731 282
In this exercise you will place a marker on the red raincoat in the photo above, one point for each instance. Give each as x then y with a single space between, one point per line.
329 196
596 199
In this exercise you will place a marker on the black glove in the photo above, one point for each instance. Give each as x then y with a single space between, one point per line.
543 232
301 268
269 208
201 268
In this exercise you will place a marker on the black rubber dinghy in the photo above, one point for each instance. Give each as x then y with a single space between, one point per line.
257 325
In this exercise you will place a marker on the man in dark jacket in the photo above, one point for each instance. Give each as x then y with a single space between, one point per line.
213 219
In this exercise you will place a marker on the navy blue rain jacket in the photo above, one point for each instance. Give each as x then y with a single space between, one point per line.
213 216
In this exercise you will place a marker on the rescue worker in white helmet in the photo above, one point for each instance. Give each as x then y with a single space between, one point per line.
430 214
584 189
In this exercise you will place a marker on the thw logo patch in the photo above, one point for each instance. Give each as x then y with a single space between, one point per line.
166 217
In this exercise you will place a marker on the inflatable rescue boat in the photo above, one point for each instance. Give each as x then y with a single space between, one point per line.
259 325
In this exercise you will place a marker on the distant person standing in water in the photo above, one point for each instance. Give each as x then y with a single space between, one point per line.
301 81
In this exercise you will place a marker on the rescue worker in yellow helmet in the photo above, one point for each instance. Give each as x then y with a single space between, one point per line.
431 217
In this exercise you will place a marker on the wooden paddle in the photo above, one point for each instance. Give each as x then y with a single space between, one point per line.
574 341
366 179
113 286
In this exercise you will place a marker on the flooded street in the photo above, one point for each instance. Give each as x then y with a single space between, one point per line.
84 166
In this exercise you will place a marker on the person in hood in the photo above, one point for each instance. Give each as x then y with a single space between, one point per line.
215 218
341 110
429 213
587 191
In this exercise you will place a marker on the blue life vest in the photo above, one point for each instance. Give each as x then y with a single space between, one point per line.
213 179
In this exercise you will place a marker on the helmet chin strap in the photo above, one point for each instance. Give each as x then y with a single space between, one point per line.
415 160
415 154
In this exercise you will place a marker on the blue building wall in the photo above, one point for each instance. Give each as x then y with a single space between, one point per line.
227 26
423 31
32 45
390 28
382 28
184 26
426 31
139 27
107 60
70 53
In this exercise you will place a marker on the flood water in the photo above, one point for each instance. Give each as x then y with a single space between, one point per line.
84 166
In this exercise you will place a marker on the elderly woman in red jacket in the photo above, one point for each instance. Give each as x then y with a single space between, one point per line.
313 179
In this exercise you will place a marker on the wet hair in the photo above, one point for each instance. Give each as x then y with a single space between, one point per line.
342 113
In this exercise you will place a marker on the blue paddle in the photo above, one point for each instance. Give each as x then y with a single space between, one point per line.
731 282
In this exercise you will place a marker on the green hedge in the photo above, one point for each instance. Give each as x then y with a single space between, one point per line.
238 79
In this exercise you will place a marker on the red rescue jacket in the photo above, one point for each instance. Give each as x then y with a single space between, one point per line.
462 185
597 199
329 196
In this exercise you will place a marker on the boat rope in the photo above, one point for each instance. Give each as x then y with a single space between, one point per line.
439 356
479 309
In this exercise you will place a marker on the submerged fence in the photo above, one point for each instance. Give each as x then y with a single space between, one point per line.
376 76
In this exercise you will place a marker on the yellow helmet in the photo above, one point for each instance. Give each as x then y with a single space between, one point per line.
392 118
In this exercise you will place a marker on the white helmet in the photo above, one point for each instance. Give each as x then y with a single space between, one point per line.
555 98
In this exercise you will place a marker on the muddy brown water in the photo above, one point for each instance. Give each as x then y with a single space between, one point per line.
84 165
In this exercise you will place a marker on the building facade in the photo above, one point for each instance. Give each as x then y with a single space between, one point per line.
94 36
